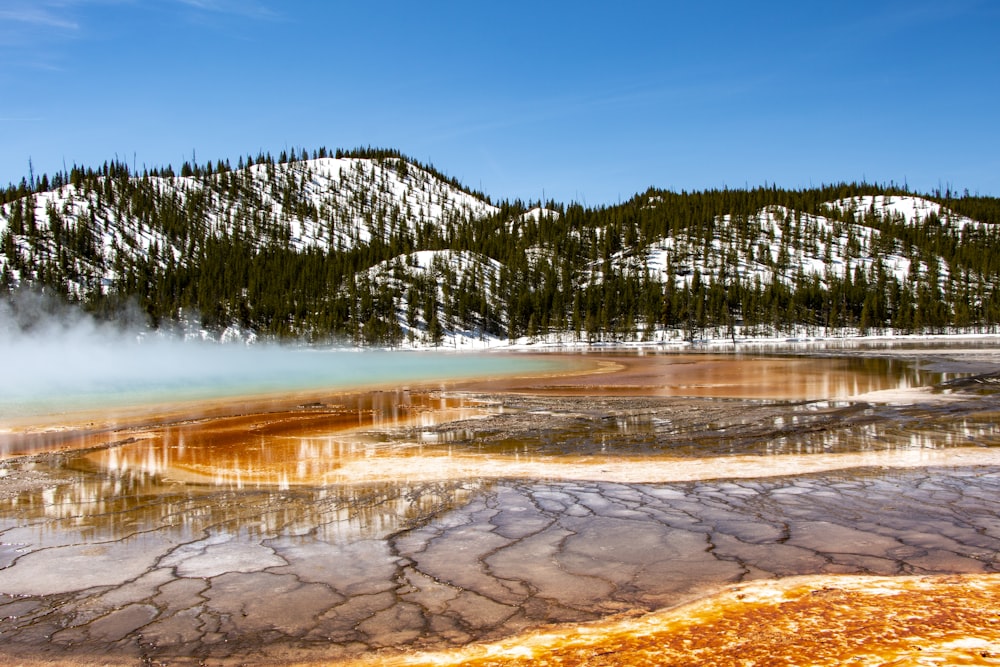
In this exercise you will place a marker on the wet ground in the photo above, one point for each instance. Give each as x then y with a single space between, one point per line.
425 520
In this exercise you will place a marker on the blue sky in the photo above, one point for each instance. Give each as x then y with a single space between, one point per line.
574 101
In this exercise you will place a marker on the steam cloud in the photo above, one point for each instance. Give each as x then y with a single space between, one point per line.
53 351
56 358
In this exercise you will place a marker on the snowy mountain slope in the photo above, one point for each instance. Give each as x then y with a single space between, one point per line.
323 204
539 214
906 209
379 250
450 287
433 264
350 200
319 202
778 244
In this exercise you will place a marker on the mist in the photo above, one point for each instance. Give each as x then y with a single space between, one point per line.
56 358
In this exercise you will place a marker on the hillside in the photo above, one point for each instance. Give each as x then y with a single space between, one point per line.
370 247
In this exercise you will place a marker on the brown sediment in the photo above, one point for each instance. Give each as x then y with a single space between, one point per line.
310 438
533 512
706 375
815 620
627 375
98 427
416 436
313 446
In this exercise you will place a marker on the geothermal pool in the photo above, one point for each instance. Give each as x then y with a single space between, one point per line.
563 511
56 377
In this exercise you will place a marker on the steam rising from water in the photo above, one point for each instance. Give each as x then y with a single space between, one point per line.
54 361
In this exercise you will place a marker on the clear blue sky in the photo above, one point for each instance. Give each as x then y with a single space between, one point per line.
575 101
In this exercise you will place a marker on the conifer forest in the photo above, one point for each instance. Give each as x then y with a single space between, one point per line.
369 247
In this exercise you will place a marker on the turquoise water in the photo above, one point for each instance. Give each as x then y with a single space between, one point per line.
59 378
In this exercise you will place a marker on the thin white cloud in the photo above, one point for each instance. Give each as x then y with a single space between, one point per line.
243 8
625 98
37 16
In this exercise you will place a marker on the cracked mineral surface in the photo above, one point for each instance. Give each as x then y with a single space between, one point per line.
519 517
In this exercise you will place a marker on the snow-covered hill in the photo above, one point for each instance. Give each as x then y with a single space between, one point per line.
381 249
323 203
774 243
782 243
902 208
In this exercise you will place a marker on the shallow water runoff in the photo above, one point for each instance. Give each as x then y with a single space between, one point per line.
513 508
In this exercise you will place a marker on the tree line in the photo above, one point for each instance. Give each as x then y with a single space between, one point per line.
218 245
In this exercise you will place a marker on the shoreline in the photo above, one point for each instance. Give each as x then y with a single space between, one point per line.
673 342
604 372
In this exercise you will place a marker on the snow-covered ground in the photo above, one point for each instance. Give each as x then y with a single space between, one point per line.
905 208
323 203
334 204
785 244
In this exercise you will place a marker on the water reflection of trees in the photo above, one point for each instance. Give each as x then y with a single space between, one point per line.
283 449
93 507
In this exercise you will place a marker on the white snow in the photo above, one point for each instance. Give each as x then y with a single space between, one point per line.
539 214
906 208
336 203
816 246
